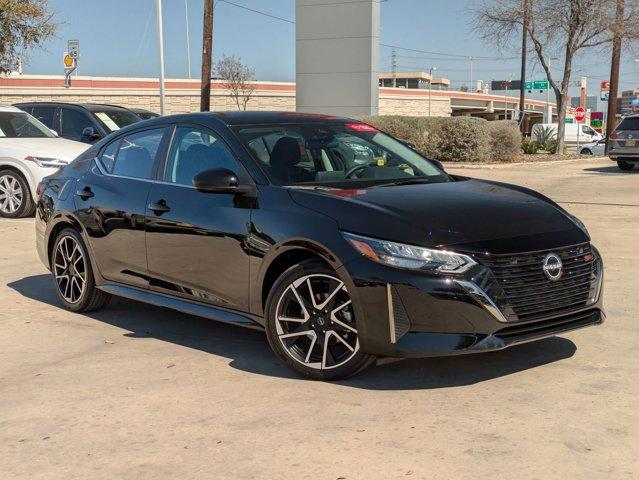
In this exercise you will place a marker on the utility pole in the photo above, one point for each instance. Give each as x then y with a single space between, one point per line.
472 89
394 66
524 47
207 47
614 73
158 9
430 86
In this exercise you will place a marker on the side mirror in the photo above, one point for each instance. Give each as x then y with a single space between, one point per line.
220 180
91 133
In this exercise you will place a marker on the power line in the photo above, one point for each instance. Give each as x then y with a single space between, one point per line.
259 12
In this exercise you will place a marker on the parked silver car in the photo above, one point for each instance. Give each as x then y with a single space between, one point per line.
624 143
593 148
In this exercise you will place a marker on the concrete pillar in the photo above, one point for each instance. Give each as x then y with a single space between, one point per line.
337 57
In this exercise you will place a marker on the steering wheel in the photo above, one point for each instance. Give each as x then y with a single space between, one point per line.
357 168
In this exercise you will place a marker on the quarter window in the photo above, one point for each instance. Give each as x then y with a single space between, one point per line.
108 155
136 154
193 151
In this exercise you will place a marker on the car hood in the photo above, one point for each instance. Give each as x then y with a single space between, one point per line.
41 147
466 212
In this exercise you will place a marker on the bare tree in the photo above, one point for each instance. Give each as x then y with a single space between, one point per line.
237 78
24 24
559 28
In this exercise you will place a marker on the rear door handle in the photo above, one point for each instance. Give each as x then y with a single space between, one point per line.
85 193
159 207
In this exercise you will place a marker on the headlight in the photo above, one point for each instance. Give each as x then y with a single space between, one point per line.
410 256
47 162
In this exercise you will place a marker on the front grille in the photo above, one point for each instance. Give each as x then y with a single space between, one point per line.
530 294
541 328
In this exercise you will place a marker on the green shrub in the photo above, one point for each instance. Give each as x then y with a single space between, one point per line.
528 146
551 145
455 139
505 140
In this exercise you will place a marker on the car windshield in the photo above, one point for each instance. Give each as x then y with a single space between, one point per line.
22 125
113 120
338 155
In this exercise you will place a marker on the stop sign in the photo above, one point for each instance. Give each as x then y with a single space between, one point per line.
580 114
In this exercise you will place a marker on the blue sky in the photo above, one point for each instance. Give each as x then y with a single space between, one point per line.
118 38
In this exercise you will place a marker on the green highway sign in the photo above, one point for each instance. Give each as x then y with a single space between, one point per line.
528 85
540 85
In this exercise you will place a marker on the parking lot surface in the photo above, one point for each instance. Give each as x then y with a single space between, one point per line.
136 392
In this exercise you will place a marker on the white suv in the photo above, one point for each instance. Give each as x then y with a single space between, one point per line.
29 151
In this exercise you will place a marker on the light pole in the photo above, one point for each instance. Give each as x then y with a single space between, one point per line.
158 8
430 85
188 36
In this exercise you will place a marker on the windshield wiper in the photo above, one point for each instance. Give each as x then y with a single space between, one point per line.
407 181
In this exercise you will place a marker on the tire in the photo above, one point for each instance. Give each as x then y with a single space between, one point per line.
15 197
73 275
328 347
625 165
586 151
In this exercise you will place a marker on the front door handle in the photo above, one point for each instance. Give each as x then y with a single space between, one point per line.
85 193
159 207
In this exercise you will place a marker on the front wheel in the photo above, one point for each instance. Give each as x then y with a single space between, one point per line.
15 196
586 151
625 165
310 323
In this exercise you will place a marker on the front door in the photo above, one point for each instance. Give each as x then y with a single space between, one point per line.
196 240
111 201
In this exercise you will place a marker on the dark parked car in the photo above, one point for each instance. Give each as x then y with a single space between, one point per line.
339 241
144 114
86 123
624 143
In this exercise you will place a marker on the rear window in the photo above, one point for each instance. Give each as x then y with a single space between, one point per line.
630 123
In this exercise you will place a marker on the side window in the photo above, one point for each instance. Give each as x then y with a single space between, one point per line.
73 122
107 159
137 152
44 114
193 151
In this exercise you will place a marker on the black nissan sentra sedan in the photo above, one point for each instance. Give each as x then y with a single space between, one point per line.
341 242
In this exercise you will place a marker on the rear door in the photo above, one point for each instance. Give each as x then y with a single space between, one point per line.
111 201
196 242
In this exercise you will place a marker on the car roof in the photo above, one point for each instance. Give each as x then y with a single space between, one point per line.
268 117
9 108
87 106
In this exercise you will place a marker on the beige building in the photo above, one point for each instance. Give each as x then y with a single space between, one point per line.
183 95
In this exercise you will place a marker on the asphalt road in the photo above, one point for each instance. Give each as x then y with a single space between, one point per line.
136 392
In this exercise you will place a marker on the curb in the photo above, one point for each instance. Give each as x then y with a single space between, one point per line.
492 166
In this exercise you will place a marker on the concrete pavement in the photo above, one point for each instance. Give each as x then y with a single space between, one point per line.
136 392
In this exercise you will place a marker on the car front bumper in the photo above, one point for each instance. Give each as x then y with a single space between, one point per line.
412 314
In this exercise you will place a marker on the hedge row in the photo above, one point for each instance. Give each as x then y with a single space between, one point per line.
455 139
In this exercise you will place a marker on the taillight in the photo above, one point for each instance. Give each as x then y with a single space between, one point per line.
613 136
40 189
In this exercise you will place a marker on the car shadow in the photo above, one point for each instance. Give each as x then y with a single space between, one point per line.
248 350
612 170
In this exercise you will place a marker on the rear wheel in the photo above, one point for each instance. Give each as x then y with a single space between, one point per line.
15 196
625 165
311 323
586 151
74 281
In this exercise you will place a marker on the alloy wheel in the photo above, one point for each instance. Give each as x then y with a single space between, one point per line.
11 194
70 269
315 322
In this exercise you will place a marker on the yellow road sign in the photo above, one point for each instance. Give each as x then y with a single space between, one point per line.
69 61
